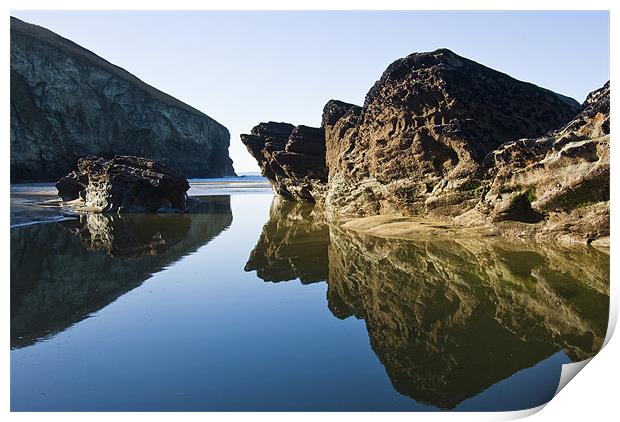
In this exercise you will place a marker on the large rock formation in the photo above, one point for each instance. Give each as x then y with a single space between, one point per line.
446 317
292 158
124 184
442 137
63 272
67 103
418 143
560 181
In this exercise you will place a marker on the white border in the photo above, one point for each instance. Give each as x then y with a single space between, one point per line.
591 396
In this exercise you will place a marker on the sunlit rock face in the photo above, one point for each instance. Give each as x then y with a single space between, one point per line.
562 178
62 272
447 318
450 318
417 144
292 245
442 137
67 103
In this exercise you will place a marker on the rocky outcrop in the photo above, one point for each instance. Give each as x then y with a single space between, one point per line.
103 256
292 158
444 138
446 317
67 103
418 144
558 183
124 184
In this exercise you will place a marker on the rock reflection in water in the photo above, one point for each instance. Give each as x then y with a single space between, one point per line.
446 318
62 272
293 244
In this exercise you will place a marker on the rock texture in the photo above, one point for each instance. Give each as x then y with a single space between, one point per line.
67 103
73 185
63 272
418 144
559 183
292 158
447 318
445 138
124 184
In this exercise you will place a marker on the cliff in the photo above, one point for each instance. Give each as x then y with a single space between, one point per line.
67 103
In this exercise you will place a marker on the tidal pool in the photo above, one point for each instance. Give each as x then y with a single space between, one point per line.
258 304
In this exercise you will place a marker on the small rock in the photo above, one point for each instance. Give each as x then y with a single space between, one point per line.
124 184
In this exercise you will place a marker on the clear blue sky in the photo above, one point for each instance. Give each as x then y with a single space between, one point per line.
242 68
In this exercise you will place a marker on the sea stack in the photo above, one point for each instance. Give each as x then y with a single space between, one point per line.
67 103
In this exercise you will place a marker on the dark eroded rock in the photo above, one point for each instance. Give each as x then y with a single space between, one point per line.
292 158
124 184
445 138
72 186
418 143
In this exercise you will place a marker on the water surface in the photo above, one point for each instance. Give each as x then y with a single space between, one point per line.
255 304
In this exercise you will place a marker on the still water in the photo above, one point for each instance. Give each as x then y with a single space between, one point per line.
255 304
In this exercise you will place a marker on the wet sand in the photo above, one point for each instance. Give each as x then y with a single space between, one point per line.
417 228
413 228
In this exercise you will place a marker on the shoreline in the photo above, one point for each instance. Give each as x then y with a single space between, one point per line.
35 203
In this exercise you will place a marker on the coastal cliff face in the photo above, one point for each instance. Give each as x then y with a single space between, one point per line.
67 103
292 158
443 137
